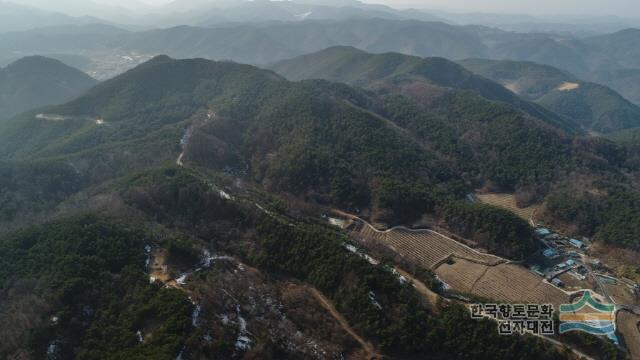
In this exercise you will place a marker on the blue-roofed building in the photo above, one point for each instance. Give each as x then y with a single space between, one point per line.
542 232
570 262
550 253
576 243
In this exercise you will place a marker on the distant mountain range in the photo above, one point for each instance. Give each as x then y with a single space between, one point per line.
14 17
37 81
606 59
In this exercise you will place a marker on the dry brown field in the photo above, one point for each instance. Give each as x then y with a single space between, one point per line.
504 282
465 269
426 247
507 202
627 325
621 294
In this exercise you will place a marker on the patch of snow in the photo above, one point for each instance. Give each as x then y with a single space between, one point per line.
351 248
50 117
402 279
207 337
207 260
195 315
55 320
147 251
243 342
99 122
372 298
52 350
225 195
264 210
75 168
139 336
336 222
179 357
152 279
371 260
304 15
182 279
183 143
445 286
357 251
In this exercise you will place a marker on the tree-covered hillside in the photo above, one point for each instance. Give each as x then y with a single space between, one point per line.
527 79
91 274
36 81
396 153
594 106
392 71
591 106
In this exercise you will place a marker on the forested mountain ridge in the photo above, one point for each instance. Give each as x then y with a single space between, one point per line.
393 72
588 58
395 154
592 106
265 261
180 178
38 81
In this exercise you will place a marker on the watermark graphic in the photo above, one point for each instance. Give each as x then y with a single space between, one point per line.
588 315
517 318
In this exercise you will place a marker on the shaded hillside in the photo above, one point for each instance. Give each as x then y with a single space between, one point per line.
622 45
312 138
592 106
624 81
37 81
571 55
357 67
527 79
425 77
395 154
94 293
627 136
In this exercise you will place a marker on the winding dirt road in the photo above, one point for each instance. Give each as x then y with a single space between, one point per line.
326 303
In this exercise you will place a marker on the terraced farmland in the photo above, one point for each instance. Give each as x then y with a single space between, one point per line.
507 202
513 283
503 282
427 247
465 269
461 275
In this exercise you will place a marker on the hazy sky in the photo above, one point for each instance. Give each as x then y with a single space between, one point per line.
627 8
566 7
